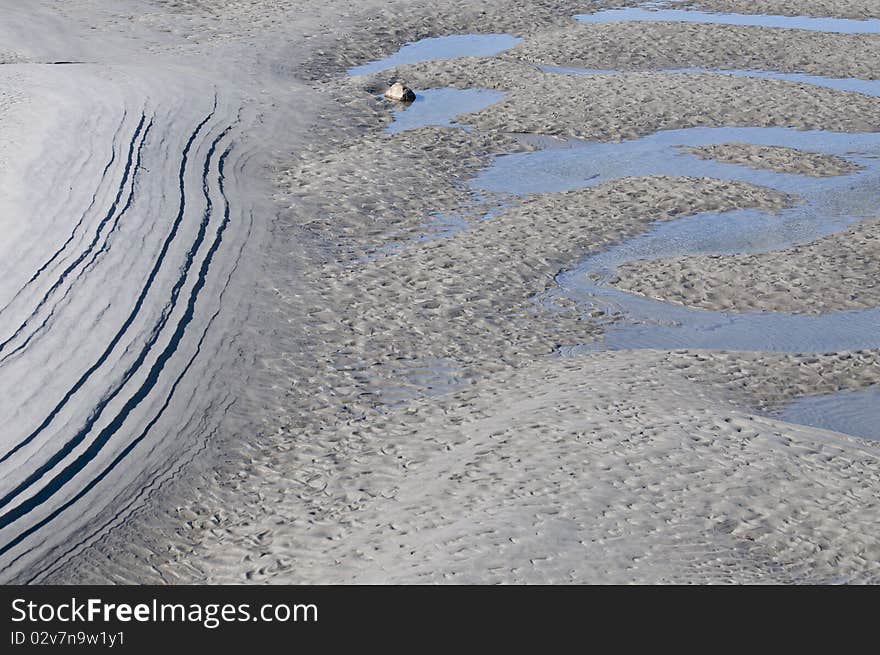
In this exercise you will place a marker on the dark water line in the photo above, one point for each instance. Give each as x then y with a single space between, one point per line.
133 402
94 255
101 225
154 484
91 245
98 411
138 304
106 246
79 223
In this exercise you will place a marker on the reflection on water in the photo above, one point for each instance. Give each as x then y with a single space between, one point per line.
440 107
441 47
826 205
849 412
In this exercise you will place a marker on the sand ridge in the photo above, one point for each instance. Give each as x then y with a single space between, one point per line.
409 418
703 45
858 9
458 491
628 105
835 273
776 158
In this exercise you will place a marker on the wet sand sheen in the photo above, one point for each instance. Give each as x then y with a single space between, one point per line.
553 171
412 380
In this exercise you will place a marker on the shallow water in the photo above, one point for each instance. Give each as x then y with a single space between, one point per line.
865 87
839 25
849 412
440 107
441 47
827 205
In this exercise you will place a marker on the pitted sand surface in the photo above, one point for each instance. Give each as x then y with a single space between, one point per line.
836 273
408 417
776 158
654 46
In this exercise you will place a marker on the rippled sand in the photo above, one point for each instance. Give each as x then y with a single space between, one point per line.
404 410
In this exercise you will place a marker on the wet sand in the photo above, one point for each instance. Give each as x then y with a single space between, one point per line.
776 158
680 45
406 411
836 273
856 9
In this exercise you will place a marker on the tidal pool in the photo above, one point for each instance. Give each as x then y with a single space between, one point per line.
851 412
440 47
825 205
855 85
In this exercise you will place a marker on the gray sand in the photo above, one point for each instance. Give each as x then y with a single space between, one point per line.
402 410
776 158
858 9
835 273
614 107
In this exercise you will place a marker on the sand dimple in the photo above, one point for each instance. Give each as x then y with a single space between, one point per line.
555 473
856 9
627 105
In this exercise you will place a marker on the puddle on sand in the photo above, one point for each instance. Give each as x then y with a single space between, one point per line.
848 412
865 87
828 205
441 47
572 163
440 107
839 25
665 326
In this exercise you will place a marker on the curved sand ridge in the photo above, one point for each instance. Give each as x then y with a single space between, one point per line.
398 515
72 24
115 314
612 467
609 467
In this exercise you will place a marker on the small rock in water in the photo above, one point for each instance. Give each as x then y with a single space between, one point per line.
400 93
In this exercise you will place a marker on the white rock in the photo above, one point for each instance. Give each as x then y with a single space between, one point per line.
400 93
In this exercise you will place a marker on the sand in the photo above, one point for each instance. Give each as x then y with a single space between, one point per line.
699 45
566 481
776 158
403 412
371 193
625 106
858 9
836 273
